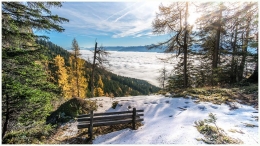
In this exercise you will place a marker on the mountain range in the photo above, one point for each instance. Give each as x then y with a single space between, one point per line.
137 49
195 48
128 49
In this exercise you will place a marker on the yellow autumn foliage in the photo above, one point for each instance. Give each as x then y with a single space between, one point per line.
62 76
100 83
98 92
77 79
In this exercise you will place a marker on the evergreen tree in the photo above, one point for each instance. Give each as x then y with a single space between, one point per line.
211 26
26 92
250 14
20 17
173 19
225 32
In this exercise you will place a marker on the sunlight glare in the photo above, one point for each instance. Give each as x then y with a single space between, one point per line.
193 15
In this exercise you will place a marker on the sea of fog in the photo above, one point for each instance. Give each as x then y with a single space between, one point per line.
139 65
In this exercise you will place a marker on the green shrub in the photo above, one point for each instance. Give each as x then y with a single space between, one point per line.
163 92
71 109
30 136
250 89
212 133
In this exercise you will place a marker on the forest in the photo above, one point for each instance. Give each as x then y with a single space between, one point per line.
39 77
224 32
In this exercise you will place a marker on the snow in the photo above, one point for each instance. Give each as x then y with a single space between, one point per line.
165 121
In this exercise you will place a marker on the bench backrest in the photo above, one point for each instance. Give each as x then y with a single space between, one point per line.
111 118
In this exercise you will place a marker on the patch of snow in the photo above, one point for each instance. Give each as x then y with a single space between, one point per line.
171 120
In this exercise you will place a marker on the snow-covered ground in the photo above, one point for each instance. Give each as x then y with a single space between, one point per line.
166 123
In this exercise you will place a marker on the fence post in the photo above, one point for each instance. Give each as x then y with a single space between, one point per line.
90 128
134 117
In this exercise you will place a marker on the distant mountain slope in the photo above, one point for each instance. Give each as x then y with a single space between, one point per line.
129 49
195 48
115 84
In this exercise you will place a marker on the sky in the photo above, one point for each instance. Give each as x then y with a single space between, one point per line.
109 23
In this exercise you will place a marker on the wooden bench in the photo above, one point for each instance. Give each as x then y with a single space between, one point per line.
111 118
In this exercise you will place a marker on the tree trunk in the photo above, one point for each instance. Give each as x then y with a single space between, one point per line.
93 69
164 78
216 47
185 48
77 73
234 60
254 77
244 51
6 117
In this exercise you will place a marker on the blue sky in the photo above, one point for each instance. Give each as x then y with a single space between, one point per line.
111 23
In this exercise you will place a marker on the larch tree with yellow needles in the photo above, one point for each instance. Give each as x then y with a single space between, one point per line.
77 79
62 76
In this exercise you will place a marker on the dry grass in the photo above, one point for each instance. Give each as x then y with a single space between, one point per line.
250 125
82 136
236 131
246 95
213 134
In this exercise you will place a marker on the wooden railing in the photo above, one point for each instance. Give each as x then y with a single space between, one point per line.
105 119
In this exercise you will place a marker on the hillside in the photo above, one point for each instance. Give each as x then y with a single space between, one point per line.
115 84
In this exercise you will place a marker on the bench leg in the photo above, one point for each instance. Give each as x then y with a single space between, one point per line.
90 128
133 119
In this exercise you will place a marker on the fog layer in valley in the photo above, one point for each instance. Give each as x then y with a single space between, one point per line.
142 65
139 65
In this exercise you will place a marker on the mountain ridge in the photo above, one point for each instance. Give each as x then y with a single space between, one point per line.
128 49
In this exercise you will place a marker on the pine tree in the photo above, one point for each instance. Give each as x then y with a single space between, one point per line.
19 18
250 14
224 30
26 92
173 19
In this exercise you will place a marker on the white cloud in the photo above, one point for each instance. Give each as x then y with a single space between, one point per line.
143 65
118 19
